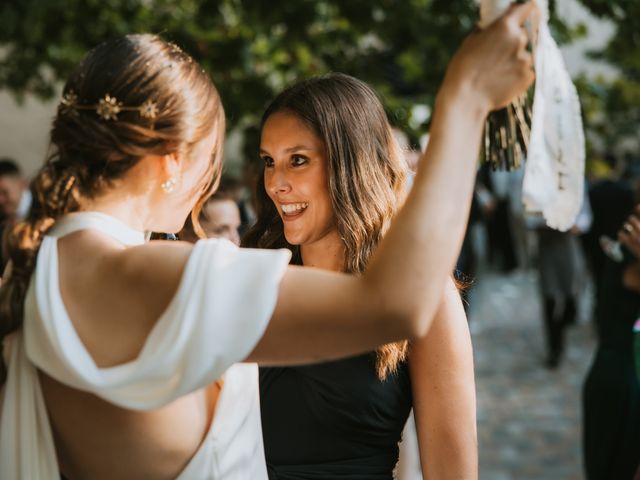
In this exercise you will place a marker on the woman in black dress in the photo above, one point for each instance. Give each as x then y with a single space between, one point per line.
333 179
612 388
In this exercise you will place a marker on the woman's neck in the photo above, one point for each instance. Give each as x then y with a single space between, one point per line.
129 210
130 199
326 253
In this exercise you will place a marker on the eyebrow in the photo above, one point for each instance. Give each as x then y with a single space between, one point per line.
295 148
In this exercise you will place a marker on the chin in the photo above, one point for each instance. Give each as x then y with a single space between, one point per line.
293 239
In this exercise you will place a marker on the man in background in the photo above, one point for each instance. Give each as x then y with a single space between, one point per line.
15 198
219 218
15 201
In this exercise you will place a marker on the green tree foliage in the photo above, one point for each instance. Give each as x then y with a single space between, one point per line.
251 48
254 48
612 107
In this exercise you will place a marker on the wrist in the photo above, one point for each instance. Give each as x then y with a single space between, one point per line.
460 96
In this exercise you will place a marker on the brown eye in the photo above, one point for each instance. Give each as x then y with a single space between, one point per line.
298 160
268 161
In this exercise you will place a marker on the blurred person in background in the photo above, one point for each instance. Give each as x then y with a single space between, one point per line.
496 188
15 200
629 236
612 197
611 395
219 218
562 270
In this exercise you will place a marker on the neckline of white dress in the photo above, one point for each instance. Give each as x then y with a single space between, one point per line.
102 222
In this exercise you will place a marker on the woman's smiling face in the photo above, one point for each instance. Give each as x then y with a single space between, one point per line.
296 178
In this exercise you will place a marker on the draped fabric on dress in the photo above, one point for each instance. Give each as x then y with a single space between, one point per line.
222 306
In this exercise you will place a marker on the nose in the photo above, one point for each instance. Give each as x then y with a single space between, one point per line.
276 181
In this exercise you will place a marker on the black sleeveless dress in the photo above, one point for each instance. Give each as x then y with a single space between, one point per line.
611 394
336 420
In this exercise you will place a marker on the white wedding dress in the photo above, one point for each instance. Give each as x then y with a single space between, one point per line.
222 306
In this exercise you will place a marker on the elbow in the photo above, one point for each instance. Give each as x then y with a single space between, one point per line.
421 312
403 324
418 323
417 315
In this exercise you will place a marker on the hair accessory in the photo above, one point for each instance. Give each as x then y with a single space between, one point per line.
69 102
149 110
108 107
181 53
169 185
175 48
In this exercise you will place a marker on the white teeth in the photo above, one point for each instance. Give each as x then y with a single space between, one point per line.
294 207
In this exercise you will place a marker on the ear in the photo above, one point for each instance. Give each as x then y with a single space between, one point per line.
171 164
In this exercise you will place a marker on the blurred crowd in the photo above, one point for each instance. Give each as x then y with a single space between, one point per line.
586 260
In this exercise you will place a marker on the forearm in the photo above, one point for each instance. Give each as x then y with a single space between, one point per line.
422 245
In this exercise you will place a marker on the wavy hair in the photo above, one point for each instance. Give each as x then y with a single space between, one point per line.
366 175
88 153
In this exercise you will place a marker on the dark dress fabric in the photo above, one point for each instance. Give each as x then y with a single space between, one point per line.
612 201
612 391
335 420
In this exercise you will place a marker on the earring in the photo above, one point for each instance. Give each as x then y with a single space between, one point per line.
169 185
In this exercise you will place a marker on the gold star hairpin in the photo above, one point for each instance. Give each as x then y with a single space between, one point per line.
69 103
149 110
108 107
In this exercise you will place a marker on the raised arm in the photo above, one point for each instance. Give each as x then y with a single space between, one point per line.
323 314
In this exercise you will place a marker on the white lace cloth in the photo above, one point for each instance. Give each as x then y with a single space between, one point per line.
224 301
554 171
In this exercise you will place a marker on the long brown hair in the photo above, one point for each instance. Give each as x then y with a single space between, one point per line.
88 151
366 175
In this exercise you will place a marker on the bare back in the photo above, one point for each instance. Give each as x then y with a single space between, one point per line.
94 438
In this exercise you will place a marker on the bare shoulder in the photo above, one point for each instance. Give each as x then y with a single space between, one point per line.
113 294
154 264
93 257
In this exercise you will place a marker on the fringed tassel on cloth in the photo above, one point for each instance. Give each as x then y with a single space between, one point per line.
554 146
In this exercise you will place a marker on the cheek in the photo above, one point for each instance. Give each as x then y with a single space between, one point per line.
267 188
325 201
328 213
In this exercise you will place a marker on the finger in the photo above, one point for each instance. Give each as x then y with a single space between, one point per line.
623 237
525 58
635 223
523 40
526 64
630 242
627 228
520 12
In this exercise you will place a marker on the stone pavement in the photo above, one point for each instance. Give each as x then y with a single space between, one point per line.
528 417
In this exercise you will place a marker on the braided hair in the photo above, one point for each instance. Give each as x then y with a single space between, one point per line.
91 147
